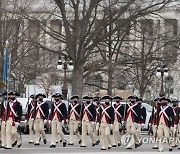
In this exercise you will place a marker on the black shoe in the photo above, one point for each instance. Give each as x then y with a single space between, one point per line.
114 145
52 146
178 147
170 149
93 144
64 144
60 141
70 143
14 143
7 148
56 141
1 146
103 149
36 144
109 147
119 144
31 142
19 145
83 146
129 148
45 141
97 142
136 145
155 148
80 141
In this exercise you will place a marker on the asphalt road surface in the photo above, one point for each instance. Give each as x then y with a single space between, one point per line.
44 148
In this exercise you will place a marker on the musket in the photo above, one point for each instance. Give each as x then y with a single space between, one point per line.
124 118
80 124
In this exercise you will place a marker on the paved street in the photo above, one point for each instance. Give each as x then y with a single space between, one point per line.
28 148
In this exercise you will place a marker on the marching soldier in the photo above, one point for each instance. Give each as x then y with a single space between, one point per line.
133 117
30 118
119 113
153 121
88 116
165 122
97 121
3 116
74 110
176 121
57 117
107 120
142 118
14 114
40 116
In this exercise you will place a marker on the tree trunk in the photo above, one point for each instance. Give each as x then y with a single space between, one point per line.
77 80
110 78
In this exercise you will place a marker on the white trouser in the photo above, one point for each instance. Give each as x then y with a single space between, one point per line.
97 131
116 133
163 129
11 131
31 131
132 129
139 132
3 133
87 128
39 129
73 126
105 135
56 128
154 129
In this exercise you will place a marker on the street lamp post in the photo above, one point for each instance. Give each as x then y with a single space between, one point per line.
65 65
162 72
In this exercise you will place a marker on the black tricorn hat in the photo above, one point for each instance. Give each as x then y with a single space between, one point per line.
140 99
75 96
33 96
165 99
156 99
13 93
57 95
96 98
117 97
106 97
40 94
87 97
132 97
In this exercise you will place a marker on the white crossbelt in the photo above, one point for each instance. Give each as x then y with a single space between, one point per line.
162 112
10 105
131 108
73 109
32 108
39 107
116 110
174 108
86 109
104 111
56 108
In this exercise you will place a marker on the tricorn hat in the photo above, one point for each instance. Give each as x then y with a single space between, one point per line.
13 93
75 96
132 97
57 95
106 97
117 97
96 98
164 99
87 97
40 94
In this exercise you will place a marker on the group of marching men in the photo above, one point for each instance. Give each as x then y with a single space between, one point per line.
96 116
